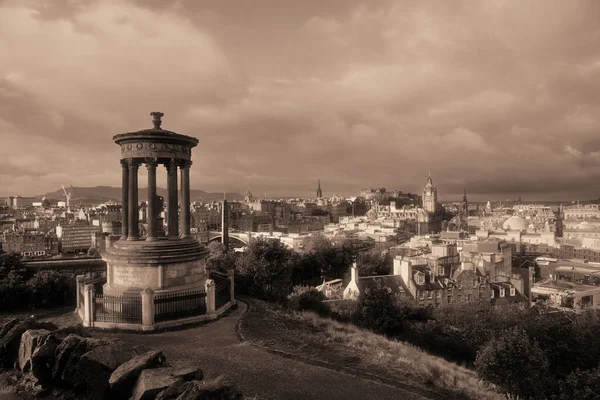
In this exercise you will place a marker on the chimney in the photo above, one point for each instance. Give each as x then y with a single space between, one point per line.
354 273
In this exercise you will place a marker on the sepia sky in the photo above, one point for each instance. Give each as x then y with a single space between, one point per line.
500 97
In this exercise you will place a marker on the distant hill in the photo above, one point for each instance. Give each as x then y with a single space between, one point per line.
101 194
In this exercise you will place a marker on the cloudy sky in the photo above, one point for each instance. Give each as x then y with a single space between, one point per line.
500 97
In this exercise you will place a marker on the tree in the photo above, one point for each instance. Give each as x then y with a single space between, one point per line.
374 263
93 252
265 269
515 363
377 310
580 385
10 262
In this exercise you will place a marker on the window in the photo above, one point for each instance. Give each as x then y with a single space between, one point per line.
441 271
459 285
450 287
469 298
474 283
421 295
459 298
512 291
492 294
480 295
438 294
501 292
430 294
449 299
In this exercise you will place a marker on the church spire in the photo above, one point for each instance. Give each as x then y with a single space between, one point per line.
319 191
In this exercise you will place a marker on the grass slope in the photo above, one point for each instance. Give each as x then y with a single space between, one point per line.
307 336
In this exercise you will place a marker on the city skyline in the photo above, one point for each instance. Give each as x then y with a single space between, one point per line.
497 97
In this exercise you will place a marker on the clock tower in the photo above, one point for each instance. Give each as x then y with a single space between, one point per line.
430 196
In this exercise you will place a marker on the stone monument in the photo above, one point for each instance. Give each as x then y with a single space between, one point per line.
164 262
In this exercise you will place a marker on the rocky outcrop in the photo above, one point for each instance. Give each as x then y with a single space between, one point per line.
68 365
153 381
124 377
63 353
29 343
11 339
220 388
43 358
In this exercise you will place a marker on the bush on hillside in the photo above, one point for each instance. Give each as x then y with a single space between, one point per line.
515 363
377 310
306 298
580 385
51 288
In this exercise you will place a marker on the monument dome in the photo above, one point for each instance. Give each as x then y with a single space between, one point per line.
515 223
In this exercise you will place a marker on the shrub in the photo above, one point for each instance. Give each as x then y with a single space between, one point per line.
515 363
51 288
306 298
377 310
581 385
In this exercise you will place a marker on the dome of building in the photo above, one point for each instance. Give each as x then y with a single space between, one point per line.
586 226
515 223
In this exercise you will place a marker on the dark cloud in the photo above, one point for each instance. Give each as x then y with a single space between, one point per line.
500 97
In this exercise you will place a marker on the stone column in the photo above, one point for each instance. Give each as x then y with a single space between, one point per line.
172 193
125 199
151 219
210 297
133 200
79 279
147 309
88 315
185 198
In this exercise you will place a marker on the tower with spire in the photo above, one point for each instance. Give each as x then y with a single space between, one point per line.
465 204
430 196
319 191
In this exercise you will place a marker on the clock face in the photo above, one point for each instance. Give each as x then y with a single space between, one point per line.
428 194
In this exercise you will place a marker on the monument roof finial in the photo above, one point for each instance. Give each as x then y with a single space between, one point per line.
156 118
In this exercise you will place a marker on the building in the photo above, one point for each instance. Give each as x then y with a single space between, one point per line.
430 200
439 274
30 244
77 237
20 201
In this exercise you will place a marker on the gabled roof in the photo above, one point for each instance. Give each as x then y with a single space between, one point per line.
394 282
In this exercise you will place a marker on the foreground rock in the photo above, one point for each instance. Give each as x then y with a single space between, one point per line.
93 361
125 376
63 353
220 388
29 343
11 338
42 359
153 381
71 373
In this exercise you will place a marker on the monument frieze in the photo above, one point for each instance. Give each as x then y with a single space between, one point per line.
155 150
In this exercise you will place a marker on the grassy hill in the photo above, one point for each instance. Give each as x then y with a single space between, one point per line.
325 342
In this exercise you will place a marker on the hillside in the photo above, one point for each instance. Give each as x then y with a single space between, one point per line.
99 194
324 342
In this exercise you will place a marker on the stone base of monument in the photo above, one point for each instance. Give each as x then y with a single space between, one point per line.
153 285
